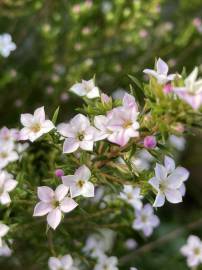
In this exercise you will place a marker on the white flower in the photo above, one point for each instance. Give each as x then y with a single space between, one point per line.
107 263
145 220
7 154
192 91
193 251
86 88
78 133
3 231
61 263
5 251
142 160
7 184
8 136
132 196
177 142
168 181
79 182
6 45
53 203
35 125
133 268
161 72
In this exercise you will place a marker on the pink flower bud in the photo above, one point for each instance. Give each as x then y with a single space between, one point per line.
167 88
197 22
105 98
150 142
59 173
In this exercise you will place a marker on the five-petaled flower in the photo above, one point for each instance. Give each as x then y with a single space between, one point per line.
132 196
61 263
6 45
168 182
35 125
78 133
161 72
145 220
193 251
192 91
86 88
7 184
79 183
53 203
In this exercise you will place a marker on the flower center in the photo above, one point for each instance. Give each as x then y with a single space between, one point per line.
196 251
80 136
80 183
127 124
55 203
162 186
144 218
3 154
35 127
130 196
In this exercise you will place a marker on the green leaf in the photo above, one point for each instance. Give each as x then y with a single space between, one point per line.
55 115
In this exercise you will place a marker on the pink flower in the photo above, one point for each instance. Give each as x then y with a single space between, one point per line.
167 88
53 203
150 142
79 183
192 91
78 133
161 72
35 125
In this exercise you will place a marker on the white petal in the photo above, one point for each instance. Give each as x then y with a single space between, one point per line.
26 119
169 164
69 180
5 198
80 122
10 185
54 218
3 229
45 194
88 190
67 205
66 261
162 67
93 93
47 126
42 209
160 200
60 192
66 130
54 263
78 89
39 115
155 183
83 173
86 145
70 145
173 196
161 172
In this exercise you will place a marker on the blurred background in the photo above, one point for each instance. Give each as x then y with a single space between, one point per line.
61 42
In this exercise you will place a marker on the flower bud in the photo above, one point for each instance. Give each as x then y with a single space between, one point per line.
105 98
59 173
167 88
150 142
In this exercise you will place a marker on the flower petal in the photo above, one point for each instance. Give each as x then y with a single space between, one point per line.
60 192
70 145
83 173
54 218
42 209
45 194
160 200
88 190
54 263
67 205
173 195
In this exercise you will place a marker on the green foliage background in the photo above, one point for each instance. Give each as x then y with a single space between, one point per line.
59 43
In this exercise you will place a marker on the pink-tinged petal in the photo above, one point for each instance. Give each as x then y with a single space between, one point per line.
47 126
24 134
66 261
78 89
192 77
162 67
147 231
88 190
160 200
154 221
148 209
129 101
93 93
54 218
42 209
173 196
54 263
86 145
169 164
100 122
10 185
39 114
66 130
69 180
67 205
26 119
160 172
70 145
182 189
3 229
75 191
80 122
193 261
155 183
60 192
120 138
5 198
45 194
83 173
